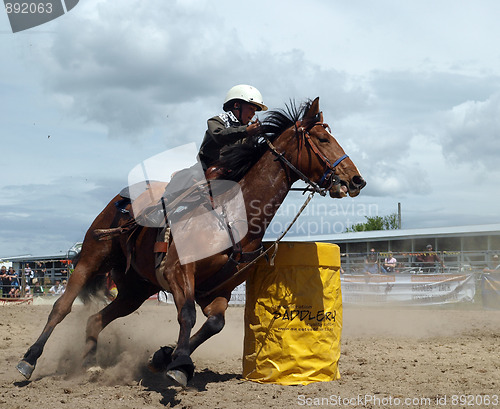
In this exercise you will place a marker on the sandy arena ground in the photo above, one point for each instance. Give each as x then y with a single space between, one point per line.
388 356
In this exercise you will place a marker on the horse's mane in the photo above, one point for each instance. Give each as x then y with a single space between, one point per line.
239 158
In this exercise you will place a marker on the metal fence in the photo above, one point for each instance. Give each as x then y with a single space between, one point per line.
410 262
25 281
46 273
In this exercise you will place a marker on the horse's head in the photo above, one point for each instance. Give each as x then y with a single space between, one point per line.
321 159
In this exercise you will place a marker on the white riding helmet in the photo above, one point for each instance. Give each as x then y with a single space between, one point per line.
246 93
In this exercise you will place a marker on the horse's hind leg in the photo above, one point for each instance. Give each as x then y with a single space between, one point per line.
131 295
88 265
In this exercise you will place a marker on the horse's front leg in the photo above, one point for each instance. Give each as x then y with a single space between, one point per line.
215 313
181 369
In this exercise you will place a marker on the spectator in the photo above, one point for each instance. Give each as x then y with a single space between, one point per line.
37 289
428 259
390 263
5 281
56 288
42 273
494 265
15 288
63 287
29 274
372 265
37 273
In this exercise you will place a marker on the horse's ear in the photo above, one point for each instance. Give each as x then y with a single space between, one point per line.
312 112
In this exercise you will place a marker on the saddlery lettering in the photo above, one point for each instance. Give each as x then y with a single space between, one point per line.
306 315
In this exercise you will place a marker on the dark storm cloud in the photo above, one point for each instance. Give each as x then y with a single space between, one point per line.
122 73
125 71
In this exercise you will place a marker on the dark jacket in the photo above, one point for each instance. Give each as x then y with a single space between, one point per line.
223 130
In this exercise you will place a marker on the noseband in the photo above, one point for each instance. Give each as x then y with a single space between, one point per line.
329 178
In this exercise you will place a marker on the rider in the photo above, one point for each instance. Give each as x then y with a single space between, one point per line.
230 127
233 125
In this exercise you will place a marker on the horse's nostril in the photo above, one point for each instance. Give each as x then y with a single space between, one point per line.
358 182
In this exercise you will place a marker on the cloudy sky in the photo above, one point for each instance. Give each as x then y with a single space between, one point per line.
410 89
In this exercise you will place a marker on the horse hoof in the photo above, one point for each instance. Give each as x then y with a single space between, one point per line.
151 367
94 369
25 368
94 373
178 376
159 361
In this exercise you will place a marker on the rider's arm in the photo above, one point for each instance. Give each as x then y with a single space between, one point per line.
222 135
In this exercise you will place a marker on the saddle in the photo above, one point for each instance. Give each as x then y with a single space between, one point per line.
153 201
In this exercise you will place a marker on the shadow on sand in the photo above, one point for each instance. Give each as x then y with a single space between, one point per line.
163 385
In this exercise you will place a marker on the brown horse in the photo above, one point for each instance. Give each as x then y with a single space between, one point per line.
296 144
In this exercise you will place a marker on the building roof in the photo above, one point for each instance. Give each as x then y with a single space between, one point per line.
70 253
31 258
402 234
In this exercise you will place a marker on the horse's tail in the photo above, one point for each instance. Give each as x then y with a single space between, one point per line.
94 290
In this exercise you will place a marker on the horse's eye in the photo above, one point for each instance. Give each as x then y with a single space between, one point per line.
323 140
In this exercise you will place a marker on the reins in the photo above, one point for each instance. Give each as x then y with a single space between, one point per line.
274 246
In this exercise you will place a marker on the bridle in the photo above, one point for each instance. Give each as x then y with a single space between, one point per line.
322 187
329 178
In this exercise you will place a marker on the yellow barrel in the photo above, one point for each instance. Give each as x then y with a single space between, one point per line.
293 316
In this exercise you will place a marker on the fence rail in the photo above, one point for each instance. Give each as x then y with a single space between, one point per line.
408 262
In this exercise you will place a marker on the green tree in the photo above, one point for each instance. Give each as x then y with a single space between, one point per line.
389 222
